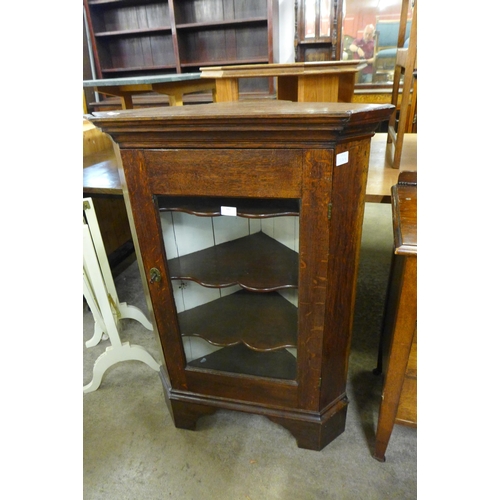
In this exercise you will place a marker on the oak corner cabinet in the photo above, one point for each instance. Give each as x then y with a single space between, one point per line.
247 219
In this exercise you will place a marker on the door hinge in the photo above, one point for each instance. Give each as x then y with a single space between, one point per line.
329 211
319 383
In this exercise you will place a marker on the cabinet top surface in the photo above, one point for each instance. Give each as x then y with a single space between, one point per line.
261 109
242 124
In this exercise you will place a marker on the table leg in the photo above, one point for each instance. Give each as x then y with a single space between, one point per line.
405 317
346 87
126 101
287 88
318 88
175 99
226 89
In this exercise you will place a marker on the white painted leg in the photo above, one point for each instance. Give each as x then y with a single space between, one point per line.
133 312
99 249
104 310
99 327
116 354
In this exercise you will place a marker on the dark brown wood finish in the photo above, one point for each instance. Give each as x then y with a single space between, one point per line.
398 349
348 192
258 152
151 37
256 262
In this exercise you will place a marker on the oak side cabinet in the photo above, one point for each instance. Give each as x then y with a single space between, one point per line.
256 209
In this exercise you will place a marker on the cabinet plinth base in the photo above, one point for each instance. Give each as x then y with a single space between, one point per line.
312 431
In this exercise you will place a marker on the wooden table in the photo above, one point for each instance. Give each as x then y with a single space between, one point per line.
381 175
173 85
322 81
101 182
398 352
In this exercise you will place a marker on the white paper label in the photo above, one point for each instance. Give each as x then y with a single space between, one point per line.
228 211
342 158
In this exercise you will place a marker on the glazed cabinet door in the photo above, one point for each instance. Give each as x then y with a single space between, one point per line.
223 250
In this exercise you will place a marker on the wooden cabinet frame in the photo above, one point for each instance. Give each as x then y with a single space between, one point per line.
316 153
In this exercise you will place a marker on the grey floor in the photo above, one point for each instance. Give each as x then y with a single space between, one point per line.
133 451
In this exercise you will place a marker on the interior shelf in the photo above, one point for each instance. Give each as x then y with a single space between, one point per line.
134 32
138 69
239 359
262 322
118 2
225 23
245 207
256 262
225 62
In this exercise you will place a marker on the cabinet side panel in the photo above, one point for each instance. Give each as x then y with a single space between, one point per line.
348 196
313 272
148 237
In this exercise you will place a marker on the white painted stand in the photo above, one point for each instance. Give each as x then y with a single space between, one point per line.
100 293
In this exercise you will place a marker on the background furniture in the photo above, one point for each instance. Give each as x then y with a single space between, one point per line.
317 30
386 46
329 81
175 86
150 37
398 353
381 176
102 183
100 293
406 64
290 179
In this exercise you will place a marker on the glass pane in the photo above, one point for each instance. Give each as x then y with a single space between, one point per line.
382 18
324 18
310 18
234 270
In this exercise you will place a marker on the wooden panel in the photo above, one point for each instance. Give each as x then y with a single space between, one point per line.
411 369
407 408
348 190
146 229
242 388
314 241
254 173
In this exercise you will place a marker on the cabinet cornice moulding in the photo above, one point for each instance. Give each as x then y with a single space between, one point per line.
293 125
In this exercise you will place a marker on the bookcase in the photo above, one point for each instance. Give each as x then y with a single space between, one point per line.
149 37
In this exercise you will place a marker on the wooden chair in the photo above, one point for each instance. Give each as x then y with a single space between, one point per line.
406 66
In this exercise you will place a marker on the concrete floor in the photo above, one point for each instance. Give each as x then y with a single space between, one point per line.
133 451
